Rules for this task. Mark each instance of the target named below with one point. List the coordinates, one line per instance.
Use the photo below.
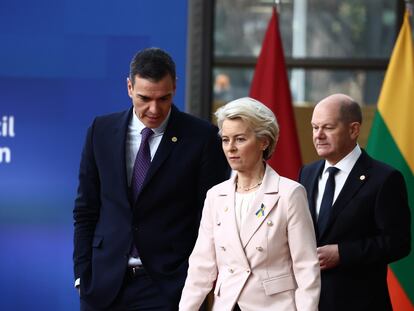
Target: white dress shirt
(133, 141)
(345, 166)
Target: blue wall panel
(62, 62)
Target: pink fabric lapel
(265, 200)
(228, 220)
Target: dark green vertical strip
(382, 146)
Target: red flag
(270, 86)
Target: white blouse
(242, 206)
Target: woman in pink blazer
(256, 245)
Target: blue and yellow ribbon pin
(260, 211)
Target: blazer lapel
(169, 139)
(313, 186)
(356, 179)
(118, 148)
(265, 200)
(227, 212)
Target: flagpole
(277, 6)
(409, 7)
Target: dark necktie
(142, 164)
(327, 199)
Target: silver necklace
(249, 187)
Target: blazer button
(218, 223)
(231, 270)
(259, 248)
(270, 223)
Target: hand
(328, 256)
(77, 285)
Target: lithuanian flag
(392, 141)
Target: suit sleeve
(302, 245)
(392, 220)
(87, 204)
(202, 271)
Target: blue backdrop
(61, 63)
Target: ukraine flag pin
(260, 211)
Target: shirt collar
(347, 163)
(137, 123)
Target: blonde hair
(260, 119)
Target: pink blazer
(270, 265)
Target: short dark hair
(152, 64)
(350, 111)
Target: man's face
(333, 139)
(152, 100)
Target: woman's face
(243, 150)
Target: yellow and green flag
(392, 141)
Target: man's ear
(354, 129)
(129, 87)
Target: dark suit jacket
(370, 222)
(164, 221)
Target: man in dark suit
(368, 224)
(132, 243)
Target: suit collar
(265, 200)
(137, 124)
(170, 138)
(314, 179)
(358, 176)
(348, 162)
(225, 203)
(118, 141)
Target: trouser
(138, 293)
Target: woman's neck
(249, 181)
